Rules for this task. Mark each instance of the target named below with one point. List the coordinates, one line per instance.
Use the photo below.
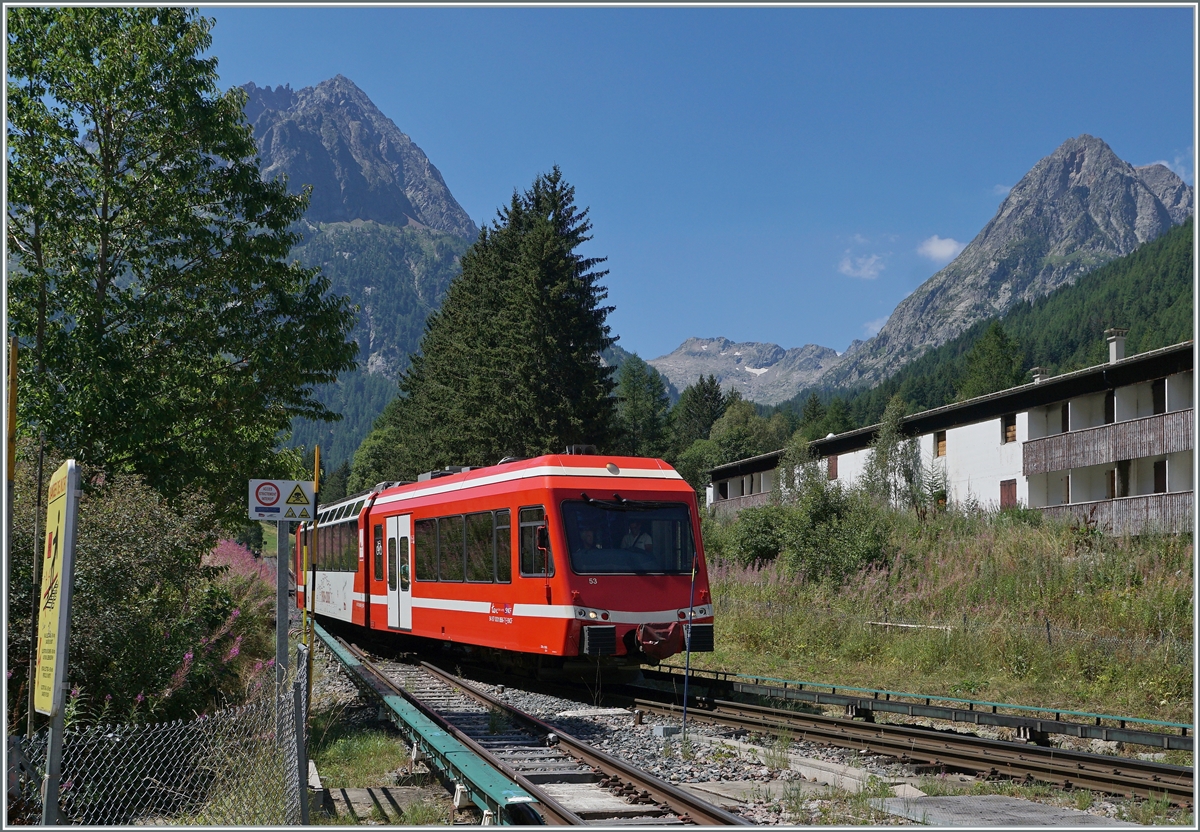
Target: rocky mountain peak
(1076, 209)
(360, 165)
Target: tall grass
(1036, 612)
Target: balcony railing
(1165, 433)
(1133, 515)
(732, 505)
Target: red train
(558, 561)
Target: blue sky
(782, 175)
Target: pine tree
(699, 406)
(510, 365)
(642, 405)
(993, 364)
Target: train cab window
(378, 549)
(504, 546)
(629, 538)
(451, 551)
(481, 557)
(425, 550)
(534, 561)
(391, 563)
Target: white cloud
(867, 267)
(939, 249)
(873, 327)
(1001, 190)
(860, 239)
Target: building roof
(1138, 368)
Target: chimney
(1116, 344)
(1039, 374)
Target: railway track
(950, 749)
(559, 779)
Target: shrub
(154, 631)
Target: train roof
(611, 467)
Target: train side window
(404, 564)
(480, 554)
(378, 548)
(534, 562)
(425, 550)
(504, 546)
(349, 547)
(391, 563)
(451, 549)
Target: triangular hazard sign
(290, 513)
(304, 512)
(297, 497)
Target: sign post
(54, 623)
(283, 501)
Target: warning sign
(265, 497)
(57, 575)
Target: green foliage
(642, 406)
(700, 405)
(694, 464)
(510, 365)
(741, 432)
(993, 364)
(155, 632)
(147, 275)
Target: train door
(399, 593)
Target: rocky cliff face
(358, 162)
(1078, 208)
(764, 373)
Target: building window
(1160, 477)
(1008, 494)
(939, 443)
(1110, 407)
(1110, 483)
(1158, 395)
(1065, 414)
(831, 470)
(1008, 428)
(723, 490)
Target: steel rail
(688, 806)
(488, 787)
(975, 712)
(1068, 769)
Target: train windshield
(631, 537)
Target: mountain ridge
(1075, 210)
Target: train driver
(637, 539)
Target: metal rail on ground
(487, 788)
(1069, 769)
(867, 700)
(691, 807)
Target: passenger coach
(574, 557)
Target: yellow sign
(54, 598)
(298, 497)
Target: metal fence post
(299, 712)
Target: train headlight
(591, 613)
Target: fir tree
(642, 405)
(699, 406)
(510, 365)
(993, 364)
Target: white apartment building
(1112, 444)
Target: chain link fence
(244, 766)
